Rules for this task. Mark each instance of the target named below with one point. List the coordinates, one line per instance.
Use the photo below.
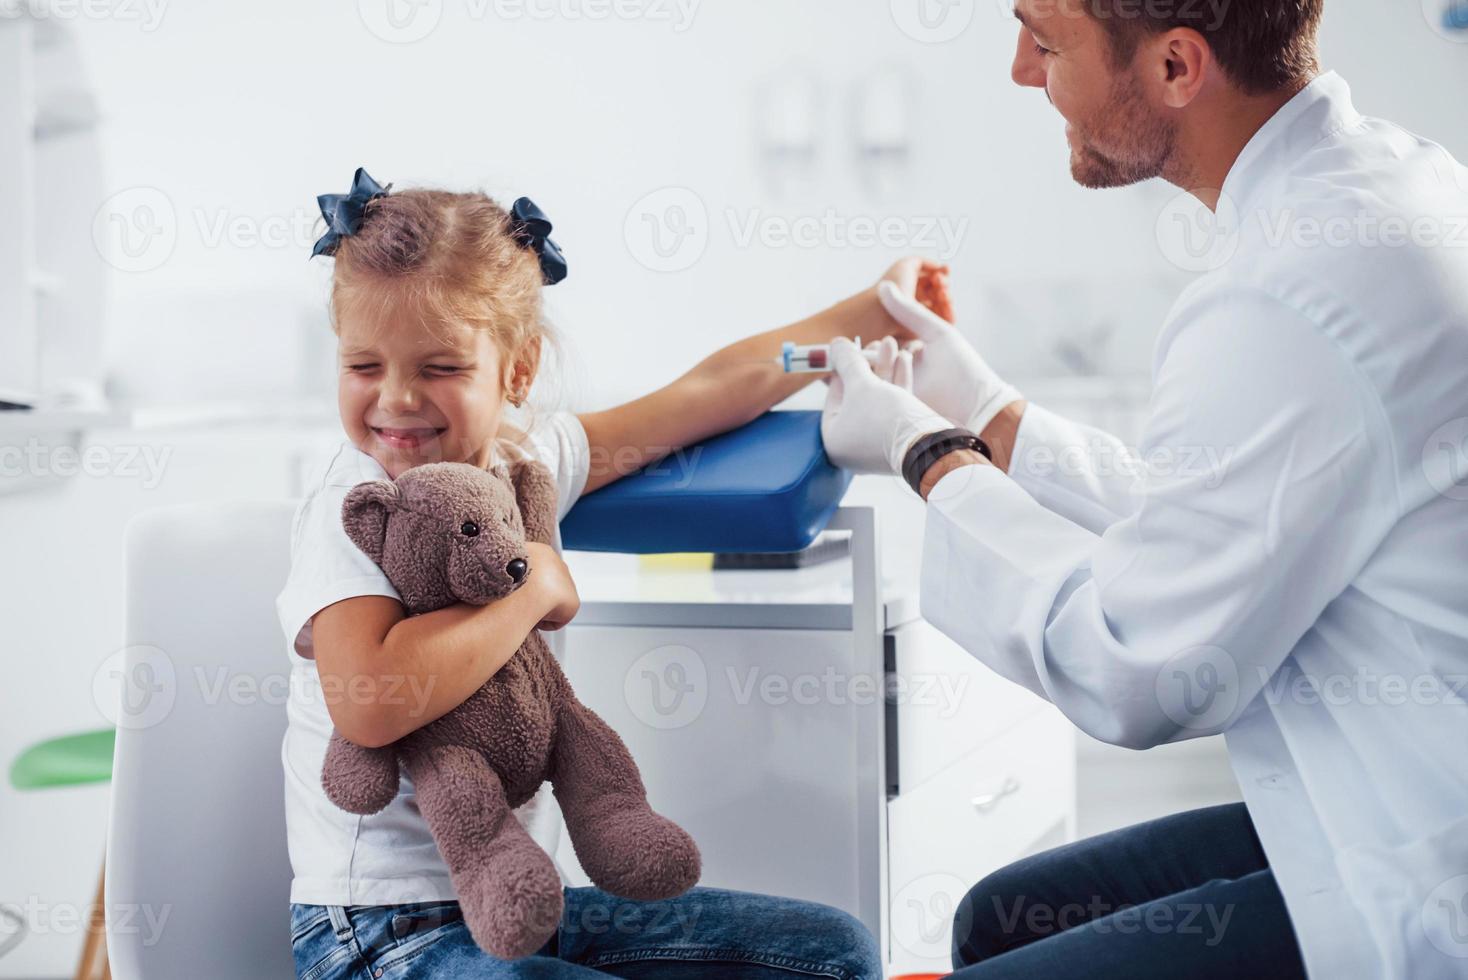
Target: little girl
(436, 303)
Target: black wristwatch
(931, 448)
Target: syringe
(813, 358)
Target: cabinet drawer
(977, 815)
(946, 703)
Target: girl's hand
(932, 290)
(924, 280)
(552, 582)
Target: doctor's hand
(869, 423)
(948, 374)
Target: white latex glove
(868, 423)
(948, 373)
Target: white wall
(243, 112)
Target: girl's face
(411, 394)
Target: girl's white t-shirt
(389, 857)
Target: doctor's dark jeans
(1187, 895)
(707, 932)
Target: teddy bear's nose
(517, 569)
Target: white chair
(197, 825)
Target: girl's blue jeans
(706, 932)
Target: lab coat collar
(1317, 110)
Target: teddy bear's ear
(364, 515)
(535, 493)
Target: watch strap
(930, 448)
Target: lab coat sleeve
(1078, 471)
(1166, 625)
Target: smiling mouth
(406, 438)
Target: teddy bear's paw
(361, 796)
(512, 906)
(639, 854)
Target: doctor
(1283, 559)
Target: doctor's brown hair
(1262, 45)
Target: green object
(71, 760)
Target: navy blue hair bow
(343, 212)
(532, 229)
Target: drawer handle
(987, 801)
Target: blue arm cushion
(765, 487)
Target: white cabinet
(948, 703)
(760, 724)
(745, 737)
(985, 810)
(18, 342)
(52, 275)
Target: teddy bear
(454, 532)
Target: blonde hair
(453, 256)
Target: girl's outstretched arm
(730, 387)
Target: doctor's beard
(1138, 143)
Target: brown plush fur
(471, 767)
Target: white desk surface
(617, 590)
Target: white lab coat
(1284, 557)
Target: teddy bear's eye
(469, 529)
